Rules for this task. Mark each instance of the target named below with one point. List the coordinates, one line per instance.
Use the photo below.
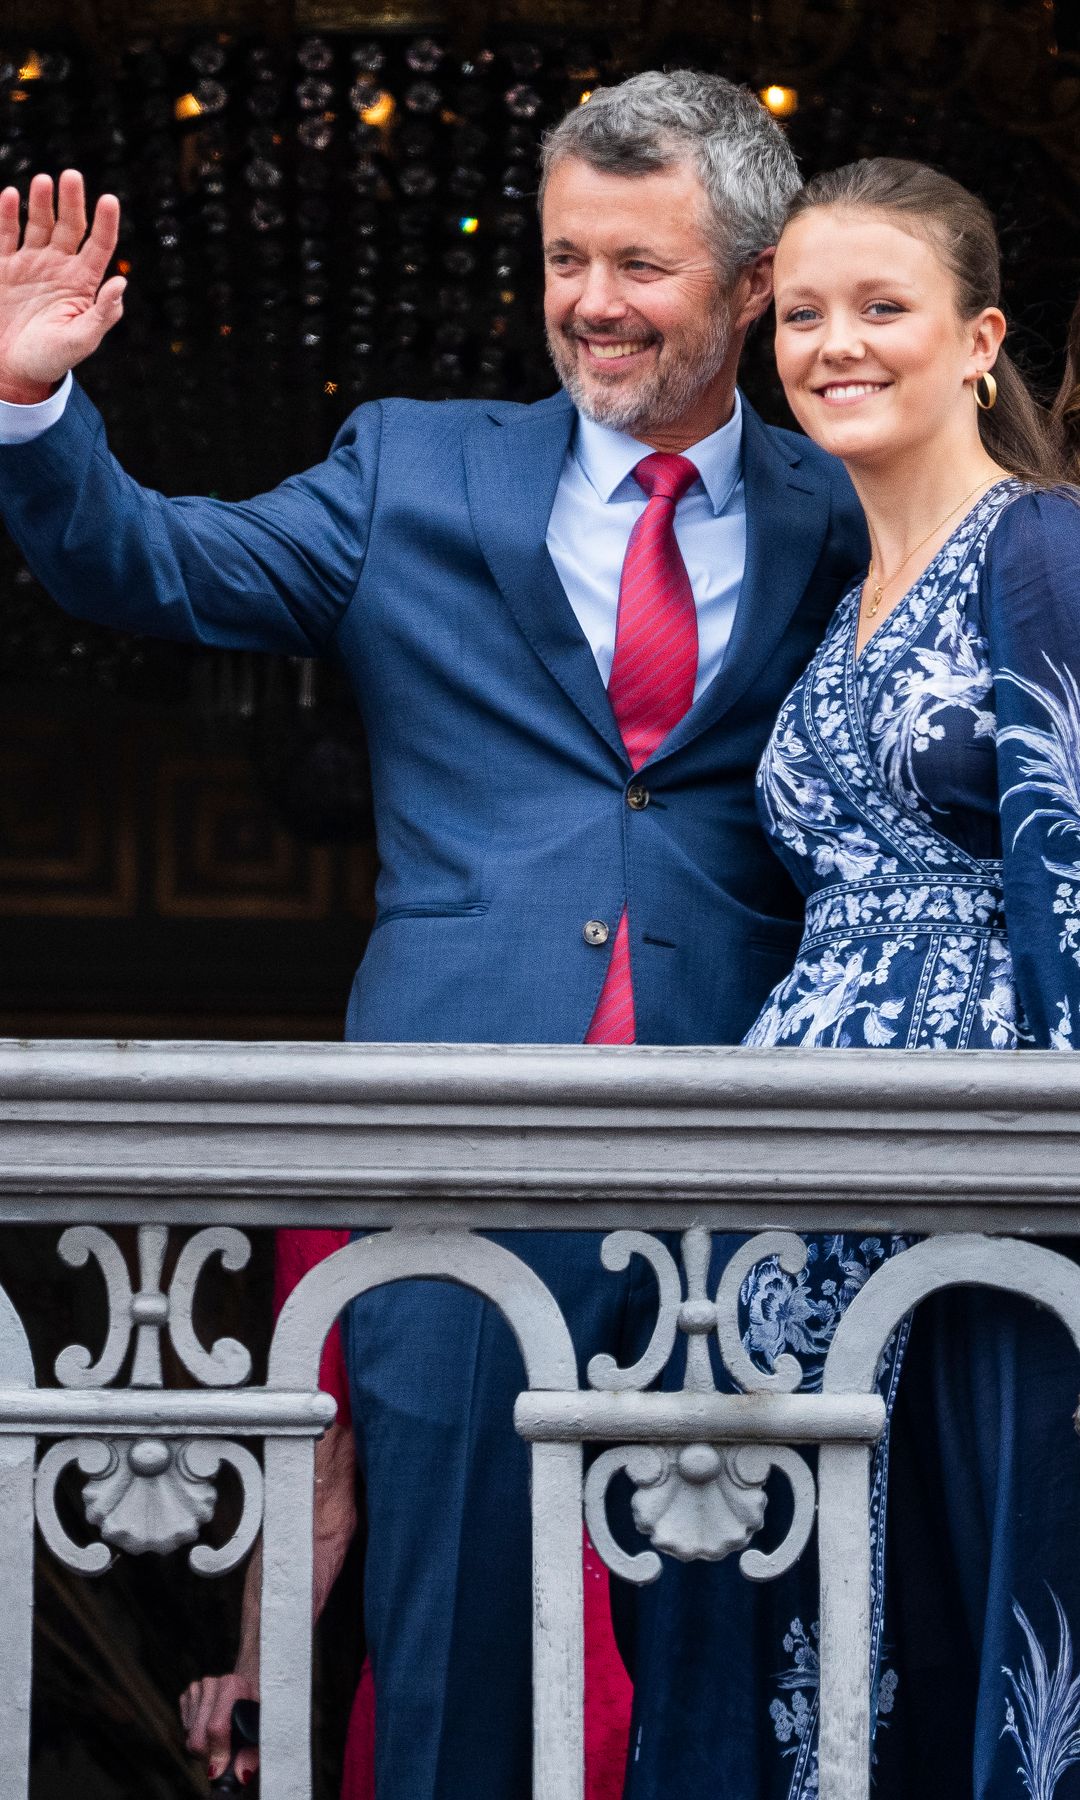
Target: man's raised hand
(55, 304)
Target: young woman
(922, 784)
(937, 731)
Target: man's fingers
(97, 252)
(70, 212)
(85, 333)
(110, 300)
(39, 213)
(9, 221)
(82, 338)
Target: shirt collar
(607, 459)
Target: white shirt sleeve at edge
(18, 424)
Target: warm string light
(380, 111)
(780, 101)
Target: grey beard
(660, 399)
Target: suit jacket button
(637, 796)
(595, 932)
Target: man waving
(568, 627)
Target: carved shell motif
(691, 1502)
(147, 1499)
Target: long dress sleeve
(1032, 612)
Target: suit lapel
(512, 471)
(787, 515)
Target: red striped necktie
(652, 678)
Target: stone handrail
(436, 1142)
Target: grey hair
(655, 120)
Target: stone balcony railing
(975, 1152)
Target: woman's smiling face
(873, 354)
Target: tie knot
(664, 475)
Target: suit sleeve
(273, 573)
(1032, 611)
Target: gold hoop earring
(991, 391)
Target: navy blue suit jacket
(417, 553)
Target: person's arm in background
(272, 573)
(206, 1706)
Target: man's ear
(753, 290)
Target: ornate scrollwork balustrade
(428, 1147)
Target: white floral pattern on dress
(908, 719)
(795, 1721)
(798, 1314)
(905, 942)
(1053, 767)
(1043, 1714)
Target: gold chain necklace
(880, 586)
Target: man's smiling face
(638, 320)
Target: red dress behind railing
(608, 1692)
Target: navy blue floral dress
(893, 777)
(925, 795)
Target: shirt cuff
(18, 424)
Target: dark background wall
(311, 219)
(323, 204)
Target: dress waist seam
(919, 905)
(989, 875)
(886, 928)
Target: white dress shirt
(18, 424)
(597, 504)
